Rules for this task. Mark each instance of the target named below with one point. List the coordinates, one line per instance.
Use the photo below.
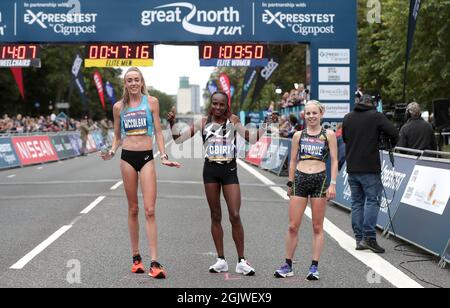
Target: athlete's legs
(232, 194)
(297, 207)
(212, 191)
(148, 187)
(318, 206)
(130, 183)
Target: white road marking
(374, 261)
(28, 257)
(117, 185)
(11, 176)
(92, 205)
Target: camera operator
(361, 131)
(416, 133)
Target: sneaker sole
(312, 278)
(139, 271)
(251, 273)
(278, 275)
(159, 276)
(213, 271)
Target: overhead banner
(192, 20)
(99, 85)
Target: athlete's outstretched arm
(154, 105)
(180, 136)
(251, 137)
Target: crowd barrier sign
(394, 183)
(34, 149)
(277, 154)
(258, 151)
(423, 216)
(63, 146)
(8, 156)
(75, 141)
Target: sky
(172, 62)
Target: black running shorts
(224, 174)
(310, 185)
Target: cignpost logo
(64, 18)
(225, 21)
(304, 24)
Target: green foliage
(382, 51)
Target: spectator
(416, 133)
(84, 132)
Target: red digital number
(93, 52)
(259, 52)
(207, 52)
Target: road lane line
(92, 205)
(32, 254)
(117, 185)
(11, 176)
(375, 262)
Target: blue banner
(110, 93)
(192, 20)
(75, 141)
(8, 156)
(249, 78)
(212, 86)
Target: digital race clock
(109, 55)
(19, 55)
(233, 55)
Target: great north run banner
(8, 157)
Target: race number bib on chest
(135, 123)
(220, 149)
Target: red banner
(17, 73)
(225, 83)
(34, 150)
(258, 151)
(99, 84)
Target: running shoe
(220, 266)
(157, 271)
(137, 267)
(243, 267)
(284, 271)
(313, 273)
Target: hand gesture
(171, 117)
(331, 192)
(172, 164)
(106, 155)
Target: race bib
(135, 123)
(218, 150)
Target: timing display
(233, 55)
(110, 55)
(19, 55)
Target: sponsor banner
(186, 21)
(334, 74)
(63, 146)
(258, 151)
(427, 189)
(334, 56)
(91, 145)
(334, 92)
(34, 149)
(8, 157)
(249, 77)
(115, 62)
(422, 218)
(336, 110)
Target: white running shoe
(244, 268)
(220, 266)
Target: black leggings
(137, 159)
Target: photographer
(416, 133)
(361, 132)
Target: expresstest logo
(202, 22)
(62, 17)
(302, 24)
